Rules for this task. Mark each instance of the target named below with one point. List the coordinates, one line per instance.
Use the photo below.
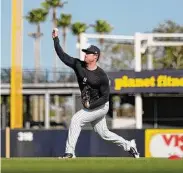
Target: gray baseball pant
(98, 121)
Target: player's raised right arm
(65, 58)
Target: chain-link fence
(40, 76)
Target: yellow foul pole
(16, 120)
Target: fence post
(47, 111)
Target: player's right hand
(55, 33)
(87, 104)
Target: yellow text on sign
(160, 81)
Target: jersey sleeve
(64, 57)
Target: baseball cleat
(133, 149)
(66, 156)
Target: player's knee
(75, 121)
(104, 134)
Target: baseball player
(94, 86)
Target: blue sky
(126, 16)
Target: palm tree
(64, 21)
(171, 57)
(78, 28)
(102, 27)
(53, 5)
(36, 16)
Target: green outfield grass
(91, 165)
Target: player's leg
(79, 119)
(101, 128)
(73, 134)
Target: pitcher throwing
(94, 86)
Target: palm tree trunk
(56, 98)
(64, 38)
(37, 53)
(41, 100)
(54, 19)
(78, 42)
(37, 59)
(101, 41)
(37, 69)
(35, 98)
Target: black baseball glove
(85, 96)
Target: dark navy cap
(92, 49)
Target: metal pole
(83, 44)
(47, 111)
(138, 98)
(150, 59)
(117, 37)
(138, 52)
(150, 53)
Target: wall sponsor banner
(51, 143)
(166, 143)
(155, 81)
(102, 148)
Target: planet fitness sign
(159, 81)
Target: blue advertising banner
(51, 143)
(155, 81)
